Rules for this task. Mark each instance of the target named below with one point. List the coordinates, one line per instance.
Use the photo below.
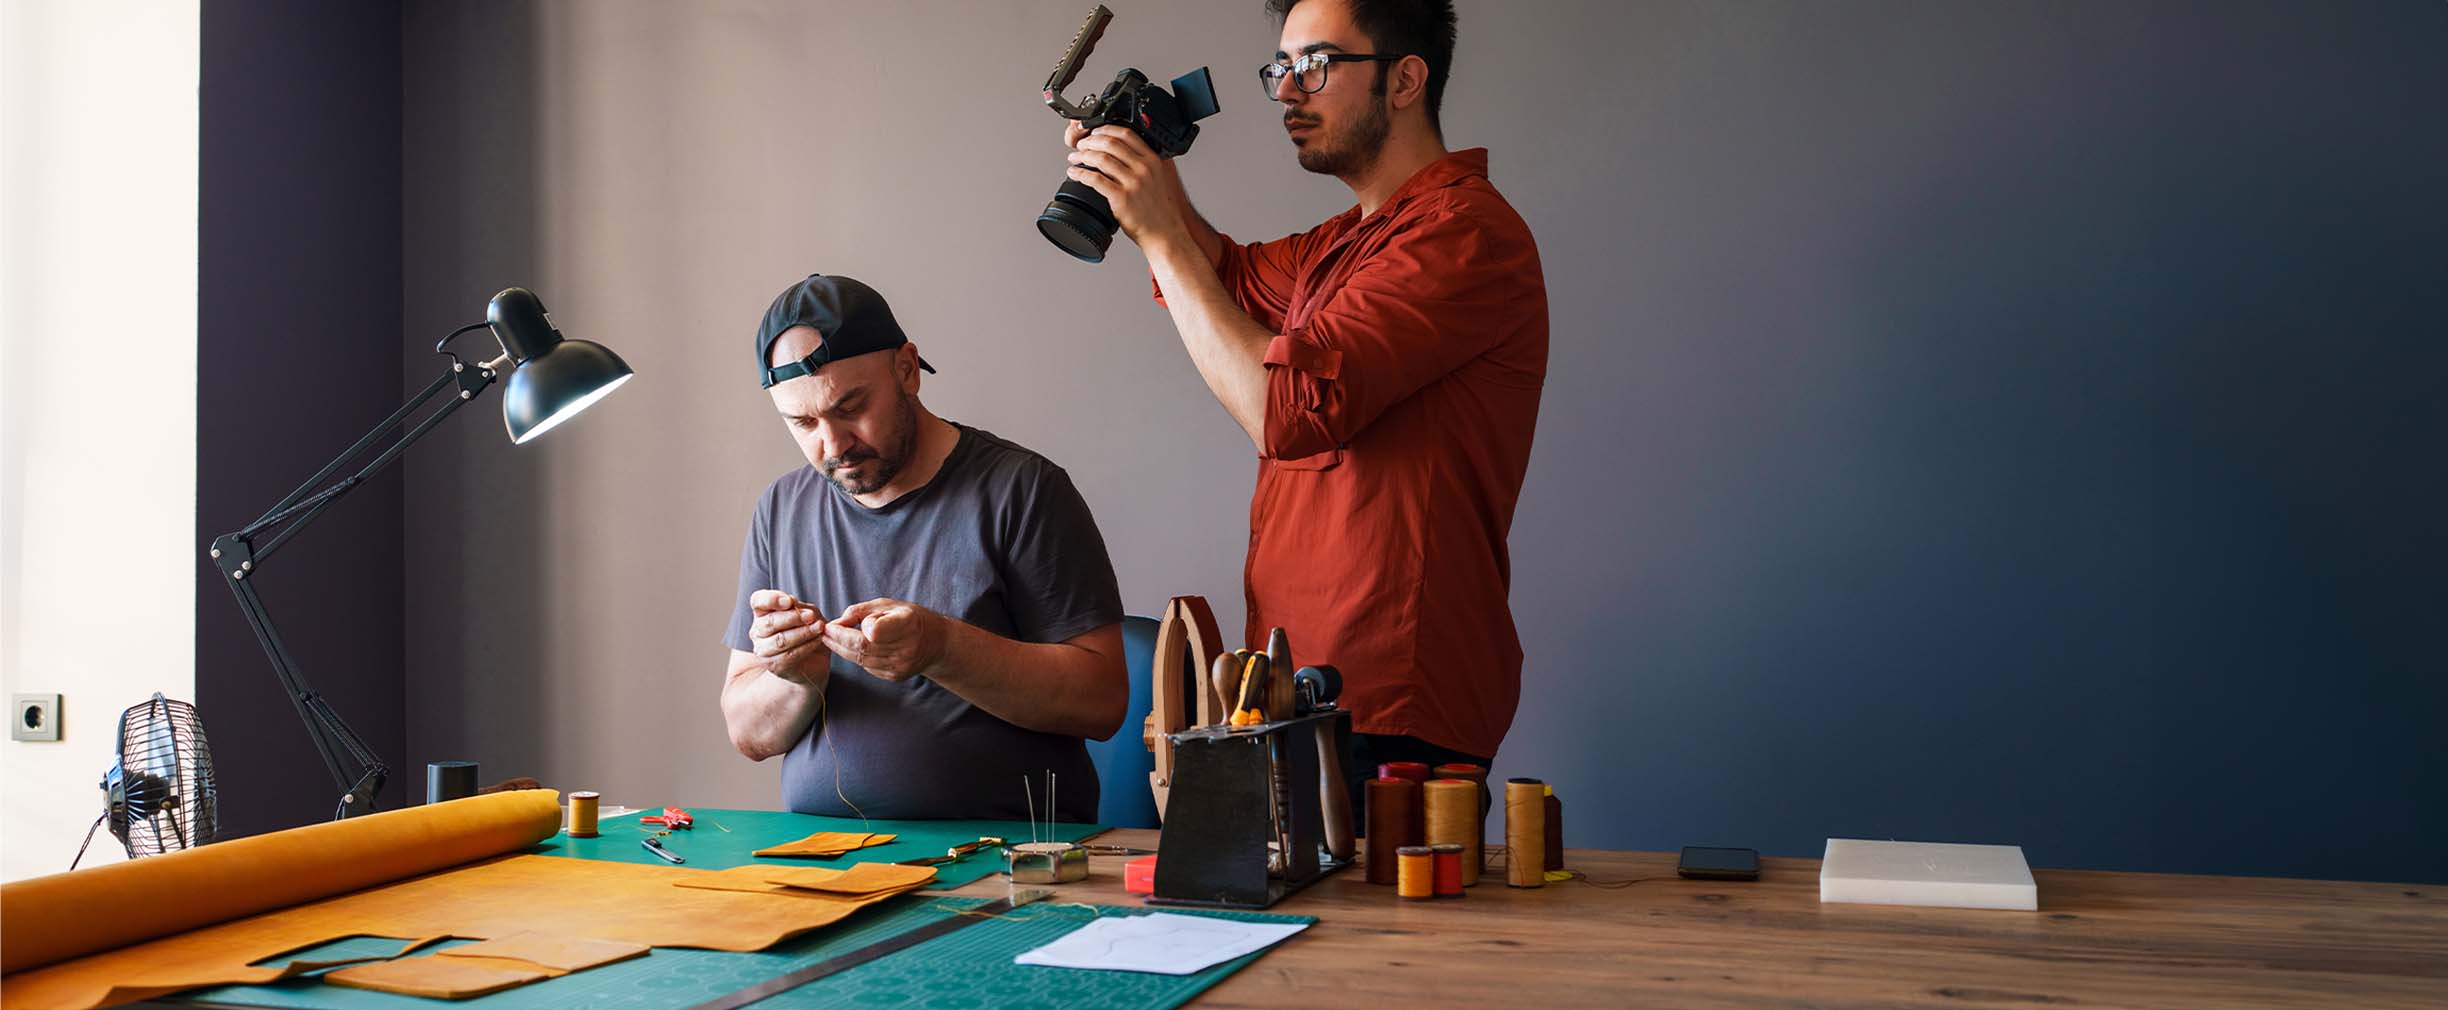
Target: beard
(898, 445)
(1351, 149)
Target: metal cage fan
(159, 797)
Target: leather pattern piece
(827, 844)
(439, 977)
(551, 950)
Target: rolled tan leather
(65, 915)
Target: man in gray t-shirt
(926, 612)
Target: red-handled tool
(672, 818)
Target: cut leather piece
(566, 953)
(502, 897)
(438, 977)
(827, 844)
(755, 879)
(862, 879)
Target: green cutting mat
(708, 846)
(970, 968)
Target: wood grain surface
(2098, 940)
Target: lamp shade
(554, 386)
(551, 378)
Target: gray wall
(1999, 422)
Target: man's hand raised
(789, 637)
(1144, 188)
(889, 638)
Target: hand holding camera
(1122, 143)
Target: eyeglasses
(1308, 71)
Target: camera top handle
(1081, 45)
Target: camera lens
(1079, 221)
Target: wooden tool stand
(1239, 794)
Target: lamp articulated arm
(354, 766)
(550, 379)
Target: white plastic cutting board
(1926, 873)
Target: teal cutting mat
(970, 968)
(709, 847)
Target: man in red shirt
(1387, 366)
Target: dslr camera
(1078, 220)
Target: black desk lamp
(550, 380)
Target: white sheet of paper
(1162, 943)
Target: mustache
(851, 458)
(1292, 121)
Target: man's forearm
(765, 714)
(1227, 346)
(1048, 687)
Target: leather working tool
(1187, 645)
(954, 854)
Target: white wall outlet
(35, 717)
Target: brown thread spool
(1416, 878)
(583, 806)
(1448, 860)
(1393, 822)
(1555, 830)
(1525, 832)
(1453, 818)
(1412, 770)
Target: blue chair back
(1123, 763)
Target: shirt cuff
(1300, 354)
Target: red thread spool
(1394, 821)
(1415, 771)
(1448, 864)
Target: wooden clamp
(1187, 644)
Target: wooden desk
(2099, 940)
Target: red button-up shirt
(1401, 396)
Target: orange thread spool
(1412, 770)
(582, 810)
(1415, 880)
(1448, 859)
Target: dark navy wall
(1997, 422)
(298, 324)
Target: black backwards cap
(850, 317)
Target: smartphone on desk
(1701, 862)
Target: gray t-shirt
(999, 539)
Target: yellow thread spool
(583, 806)
(1453, 819)
(1415, 873)
(1525, 833)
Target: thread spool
(1411, 770)
(1475, 775)
(1393, 823)
(1448, 862)
(1555, 831)
(1525, 832)
(1453, 819)
(1415, 876)
(583, 806)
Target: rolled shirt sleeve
(1260, 276)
